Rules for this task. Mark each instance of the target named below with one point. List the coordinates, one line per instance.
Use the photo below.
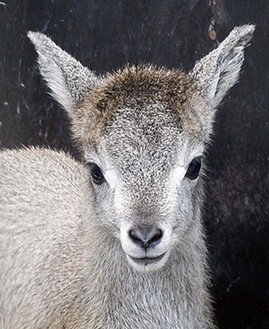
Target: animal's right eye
(96, 173)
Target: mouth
(144, 261)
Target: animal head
(143, 132)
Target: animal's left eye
(194, 168)
(96, 173)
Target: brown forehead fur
(133, 86)
(143, 83)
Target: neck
(172, 297)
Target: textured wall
(104, 35)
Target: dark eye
(96, 173)
(194, 168)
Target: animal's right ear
(68, 80)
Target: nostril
(133, 235)
(146, 238)
(157, 236)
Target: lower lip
(147, 260)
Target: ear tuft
(68, 80)
(217, 72)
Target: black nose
(146, 237)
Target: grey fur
(69, 258)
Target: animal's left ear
(217, 72)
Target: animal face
(144, 157)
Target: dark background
(105, 35)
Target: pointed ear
(217, 72)
(68, 80)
